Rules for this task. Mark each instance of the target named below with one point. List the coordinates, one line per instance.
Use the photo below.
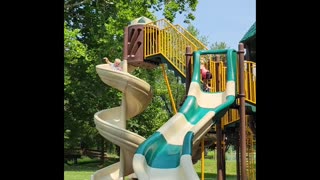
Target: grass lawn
(86, 167)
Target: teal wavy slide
(167, 154)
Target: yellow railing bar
(169, 89)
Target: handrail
(161, 37)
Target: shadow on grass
(90, 164)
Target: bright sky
(221, 20)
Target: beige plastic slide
(111, 123)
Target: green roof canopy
(251, 33)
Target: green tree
(220, 45)
(102, 22)
(74, 51)
(94, 29)
(172, 7)
(160, 109)
(196, 33)
(205, 39)
(83, 93)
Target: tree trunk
(102, 151)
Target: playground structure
(225, 115)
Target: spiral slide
(167, 154)
(111, 122)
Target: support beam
(242, 113)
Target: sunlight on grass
(210, 166)
(210, 169)
(74, 175)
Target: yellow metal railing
(161, 37)
(188, 35)
(233, 115)
(151, 40)
(250, 81)
(218, 81)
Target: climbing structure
(228, 118)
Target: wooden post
(102, 151)
(242, 113)
(219, 151)
(188, 68)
